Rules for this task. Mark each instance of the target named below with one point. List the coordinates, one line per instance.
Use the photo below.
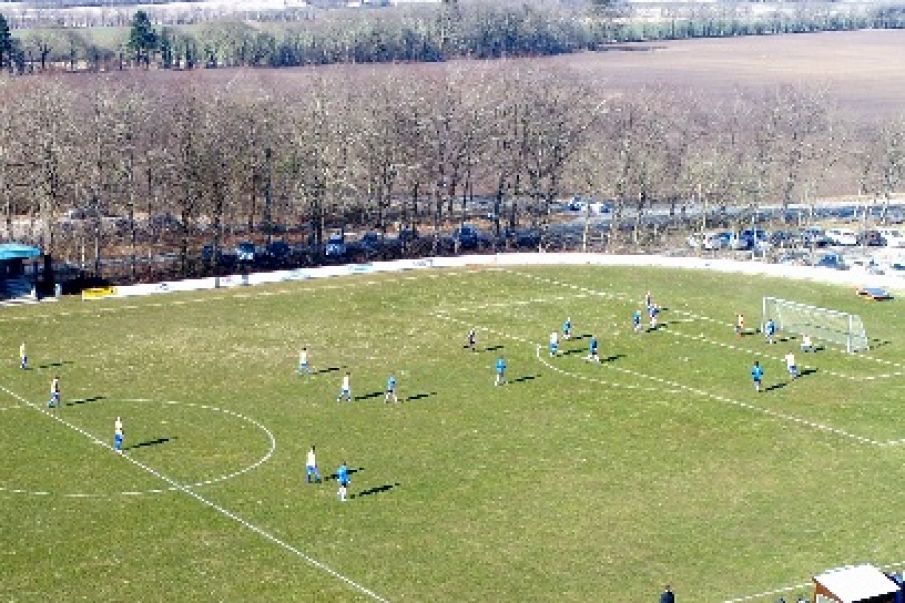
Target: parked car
(710, 240)
(842, 236)
(245, 252)
(335, 246)
(278, 254)
(783, 238)
(466, 237)
(814, 237)
(893, 236)
(831, 260)
(872, 238)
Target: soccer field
(576, 481)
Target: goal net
(822, 324)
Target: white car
(894, 237)
(842, 236)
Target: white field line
(566, 373)
(691, 315)
(679, 386)
(785, 589)
(206, 502)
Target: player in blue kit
(636, 321)
(391, 389)
(770, 331)
(500, 371)
(567, 329)
(757, 375)
(593, 354)
(342, 476)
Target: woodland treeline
(182, 161)
(452, 30)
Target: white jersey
(303, 357)
(312, 461)
(22, 351)
(790, 360)
(118, 427)
(346, 382)
(554, 338)
(806, 341)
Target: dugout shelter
(855, 584)
(18, 269)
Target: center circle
(222, 477)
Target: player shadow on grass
(146, 443)
(612, 358)
(779, 385)
(494, 348)
(352, 470)
(420, 396)
(807, 371)
(57, 364)
(572, 352)
(78, 401)
(375, 490)
(524, 378)
(375, 394)
(329, 369)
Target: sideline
(206, 502)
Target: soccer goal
(823, 324)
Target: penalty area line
(206, 502)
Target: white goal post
(823, 324)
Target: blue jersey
(342, 475)
(636, 317)
(757, 373)
(593, 347)
(566, 326)
(771, 328)
(500, 365)
(391, 383)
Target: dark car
(226, 258)
(335, 246)
(872, 238)
(520, 238)
(278, 254)
(466, 237)
(371, 245)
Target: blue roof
(18, 251)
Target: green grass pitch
(574, 482)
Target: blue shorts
(553, 347)
(118, 441)
(311, 470)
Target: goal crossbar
(824, 324)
